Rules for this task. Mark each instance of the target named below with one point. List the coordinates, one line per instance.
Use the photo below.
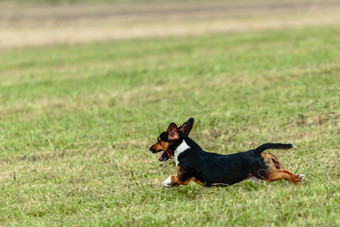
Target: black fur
(221, 170)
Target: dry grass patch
(59, 24)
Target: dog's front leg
(174, 180)
(169, 182)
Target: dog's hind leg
(279, 174)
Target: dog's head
(168, 139)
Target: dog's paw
(301, 176)
(167, 182)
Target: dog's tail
(266, 146)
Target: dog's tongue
(163, 157)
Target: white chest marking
(182, 147)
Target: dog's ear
(173, 132)
(187, 126)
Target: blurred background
(30, 23)
(87, 86)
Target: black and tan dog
(211, 169)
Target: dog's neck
(187, 143)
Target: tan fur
(274, 173)
(175, 179)
(161, 146)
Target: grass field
(76, 122)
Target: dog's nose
(150, 148)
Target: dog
(212, 169)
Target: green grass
(76, 123)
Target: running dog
(211, 169)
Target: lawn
(76, 122)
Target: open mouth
(164, 156)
